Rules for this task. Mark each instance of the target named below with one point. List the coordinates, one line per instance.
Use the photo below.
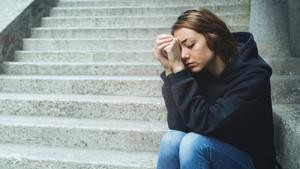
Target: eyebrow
(184, 40)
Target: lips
(190, 65)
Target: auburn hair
(218, 36)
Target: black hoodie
(234, 107)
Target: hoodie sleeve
(174, 120)
(205, 118)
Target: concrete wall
(294, 26)
(17, 17)
(275, 25)
(269, 25)
(286, 124)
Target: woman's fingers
(162, 36)
(162, 41)
(170, 46)
(160, 47)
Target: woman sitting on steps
(218, 97)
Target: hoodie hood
(248, 57)
(246, 60)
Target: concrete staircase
(85, 90)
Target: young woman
(217, 94)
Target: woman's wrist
(168, 71)
(178, 67)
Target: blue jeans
(195, 151)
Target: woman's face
(195, 53)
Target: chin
(196, 69)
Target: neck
(216, 66)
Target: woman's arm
(174, 120)
(204, 118)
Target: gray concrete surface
(11, 10)
(232, 19)
(294, 26)
(71, 100)
(49, 157)
(281, 66)
(137, 3)
(287, 133)
(111, 134)
(269, 24)
(150, 10)
(109, 32)
(16, 19)
(85, 56)
(84, 106)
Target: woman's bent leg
(168, 156)
(202, 152)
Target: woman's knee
(193, 144)
(170, 142)
(169, 150)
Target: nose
(184, 54)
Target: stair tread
(82, 123)
(145, 7)
(77, 155)
(78, 77)
(290, 111)
(84, 51)
(283, 59)
(83, 64)
(104, 77)
(243, 2)
(131, 16)
(89, 39)
(66, 97)
(285, 77)
(102, 28)
(113, 63)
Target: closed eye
(190, 46)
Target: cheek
(203, 55)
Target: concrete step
(131, 21)
(125, 135)
(285, 89)
(99, 68)
(284, 66)
(13, 156)
(117, 44)
(149, 10)
(287, 134)
(112, 3)
(92, 32)
(84, 106)
(279, 67)
(82, 84)
(86, 56)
